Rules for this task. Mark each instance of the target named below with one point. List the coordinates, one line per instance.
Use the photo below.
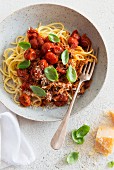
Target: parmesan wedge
(104, 140)
(111, 115)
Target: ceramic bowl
(18, 23)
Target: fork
(59, 136)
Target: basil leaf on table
(24, 64)
(75, 139)
(71, 74)
(24, 45)
(79, 141)
(53, 38)
(111, 164)
(38, 91)
(72, 157)
(82, 131)
(51, 73)
(65, 57)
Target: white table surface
(101, 14)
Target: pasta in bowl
(41, 68)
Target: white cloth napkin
(15, 149)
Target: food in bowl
(43, 67)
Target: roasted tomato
(57, 50)
(34, 43)
(73, 42)
(25, 86)
(25, 100)
(36, 73)
(32, 33)
(47, 47)
(87, 84)
(43, 64)
(23, 74)
(85, 41)
(47, 39)
(38, 53)
(51, 58)
(30, 54)
(61, 70)
(60, 99)
(40, 41)
(75, 35)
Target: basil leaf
(53, 38)
(38, 91)
(25, 45)
(111, 164)
(51, 73)
(65, 57)
(75, 139)
(82, 131)
(72, 157)
(71, 74)
(24, 64)
(79, 141)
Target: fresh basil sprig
(75, 139)
(51, 73)
(72, 157)
(111, 164)
(24, 64)
(24, 45)
(38, 91)
(71, 74)
(82, 131)
(78, 135)
(53, 38)
(65, 57)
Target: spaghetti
(57, 92)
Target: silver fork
(60, 134)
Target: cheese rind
(104, 140)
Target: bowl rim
(103, 40)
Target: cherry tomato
(34, 43)
(25, 86)
(25, 100)
(85, 41)
(43, 64)
(47, 47)
(23, 74)
(60, 100)
(61, 70)
(30, 54)
(32, 33)
(40, 41)
(75, 34)
(47, 39)
(57, 50)
(38, 53)
(51, 58)
(73, 42)
(36, 73)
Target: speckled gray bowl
(17, 24)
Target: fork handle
(59, 136)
